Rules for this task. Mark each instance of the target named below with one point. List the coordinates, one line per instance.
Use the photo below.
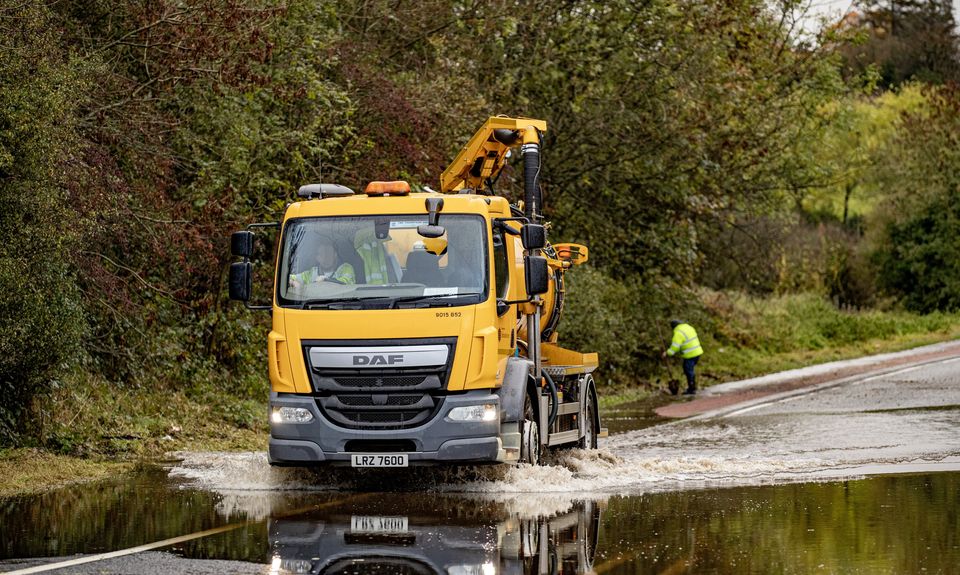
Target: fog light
(291, 415)
(486, 412)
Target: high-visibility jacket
(686, 342)
(374, 256)
(343, 274)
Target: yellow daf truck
(421, 327)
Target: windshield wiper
(312, 303)
(328, 302)
(431, 296)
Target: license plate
(378, 460)
(378, 524)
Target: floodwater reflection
(884, 524)
(421, 534)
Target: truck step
(563, 437)
(568, 408)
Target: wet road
(858, 478)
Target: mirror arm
(511, 302)
(501, 224)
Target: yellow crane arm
(485, 154)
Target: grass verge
(95, 418)
(25, 471)
(756, 336)
(91, 429)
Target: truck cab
(400, 325)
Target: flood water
(857, 479)
(906, 523)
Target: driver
(327, 267)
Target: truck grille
(380, 381)
(382, 397)
(378, 411)
(372, 565)
(369, 400)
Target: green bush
(40, 319)
(625, 321)
(917, 245)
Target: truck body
(420, 327)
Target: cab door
(506, 322)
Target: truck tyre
(589, 439)
(529, 434)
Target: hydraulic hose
(531, 182)
(554, 400)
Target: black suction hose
(554, 400)
(531, 177)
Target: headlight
(486, 412)
(291, 415)
(485, 569)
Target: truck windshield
(382, 261)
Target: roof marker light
(394, 188)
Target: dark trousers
(688, 365)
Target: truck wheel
(589, 439)
(530, 434)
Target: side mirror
(241, 244)
(536, 275)
(241, 280)
(533, 236)
(432, 229)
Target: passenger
(369, 246)
(327, 267)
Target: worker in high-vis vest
(369, 246)
(687, 344)
(325, 265)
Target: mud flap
(514, 387)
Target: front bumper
(436, 441)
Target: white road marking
(129, 551)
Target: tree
(40, 315)
(905, 40)
(917, 245)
